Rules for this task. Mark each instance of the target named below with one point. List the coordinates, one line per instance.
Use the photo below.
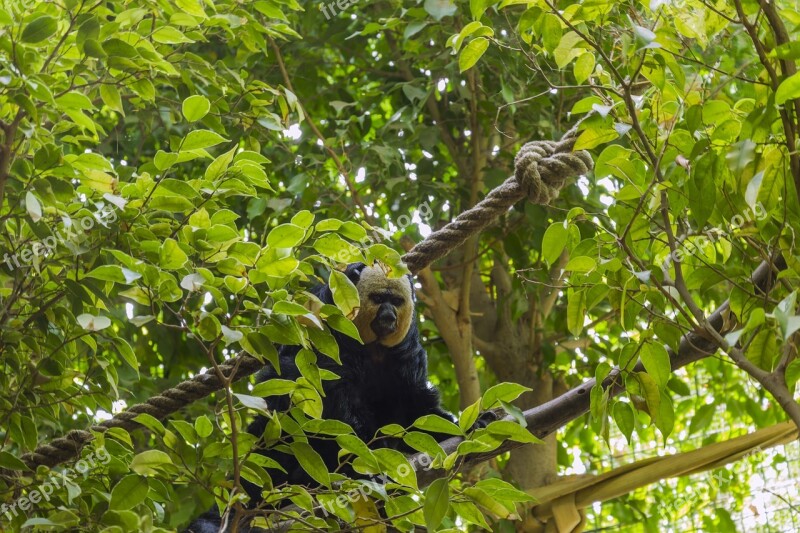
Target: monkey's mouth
(383, 328)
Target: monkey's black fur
(378, 385)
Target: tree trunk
(534, 465)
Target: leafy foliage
(174, 175)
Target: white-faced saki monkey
(383, 381)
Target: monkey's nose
(384, 327)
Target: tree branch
(7, 151)
(553, 415)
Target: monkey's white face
(387, 307)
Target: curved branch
(547, 418)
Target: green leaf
(488, 502)
(789, 89)
(218, 167)
(584, 67)
(128, 493)
(649, 391)
(594, 136)
(702, 418)
(338, 249)
(503, 490)
(145, 89)
(111, 97)
(472, 53)
(258, 345)
(345, 294)
(396, 466)
(625, 418)
(439, 9)
(172, 203)
(126, 352)
(413, 28)
(209, 327)
(311, 462)
(92, 48)
(287, 307)
(280, 268)
(329, 224)
(117, 48)
(792, 374)
(569, 47)
(150, 422)
(665, 421)
(553, 243)
(656, 361)
(551, 32)
(195, 107)
(763, 350)
(201, 139)
(170, 35)
(505, 392)
(716, 112)
(114, 273)
(285, 236)
(74, 100)
(437, 424)
(470, 513)
(192, 7)
(581, 263)
(163, 160)
(576, 311)
(478, 7)
(149, 462)
(172, 257)
(39, 29)
(437, 502)
(702, 188)
(469, 416)
(354, 445)
(423, 442)
(508, 430)
(11, 462)
(274, 387)
(89, 29)
(304, 219)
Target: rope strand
(541, 169)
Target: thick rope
(69, 446)
(541, 169)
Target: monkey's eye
(379, 299)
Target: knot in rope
(542, 168)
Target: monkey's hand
(485, 418)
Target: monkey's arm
(351, 408)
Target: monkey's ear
(353, 271)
